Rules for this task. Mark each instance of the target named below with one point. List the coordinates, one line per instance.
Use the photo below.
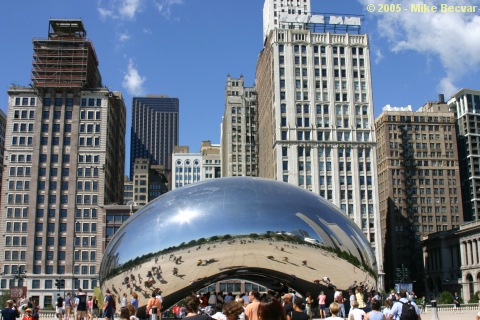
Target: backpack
(408, 311)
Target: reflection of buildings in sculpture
(324, 236)
(344, 241)
(110, 262)
(315, 101)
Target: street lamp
(20, 275)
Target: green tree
(4, 297)
(474, 298)
(445, 297)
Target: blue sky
(186, 49)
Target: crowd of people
(248, 306)
(292, 306)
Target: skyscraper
(65, 157)
(419, 184)
(315, 110)
(239, 130)
(466, 104)
(155, 129)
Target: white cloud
(132, 81)
(124, 9)
(378, 55)
(124, 36)
(128, 8)
(164, 6)
(105, 13)
(451, 37)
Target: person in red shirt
(28, 314)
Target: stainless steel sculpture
(260, 230)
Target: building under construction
(66, 59)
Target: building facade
(466, 104)
(239, 130)
(189, 167)
(452, 260)
(149, 181)
(419, 183)
(64, 157)
(155, 129)
(3, 128)
(316, 117)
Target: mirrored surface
(260, 230)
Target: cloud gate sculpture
(258, 230)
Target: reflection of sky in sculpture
(235, 206)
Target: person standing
(322, 304)
(124, 300)
(10, 312)
(134, 302)
(308, 305)
(456, 300)
(251, 311)
(81, 305)
(59, 306)
(340, 300)
(152, 303)
(355, 312)
(108, 310)
(360, 298)
(297, 312)
(95, 309)
(375, 314)
(68, 305)
(396, 311)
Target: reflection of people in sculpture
(199, 262)
(175, 271)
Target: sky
(187, 48)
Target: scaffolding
(66, 59)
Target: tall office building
(239, 130)
(315, 112)
(155, 129)
(3, 128)
(466, 104)
(64, 156)
(419, 184)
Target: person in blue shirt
(10, 312)
(396, 310)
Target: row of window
(322, 49)
(48, 284)
(25, 101)
(62, 241)
(325, 136)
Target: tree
(474, 298)
(4, 297)
(445, 297)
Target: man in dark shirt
(10, 312)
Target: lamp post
(21, 274)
